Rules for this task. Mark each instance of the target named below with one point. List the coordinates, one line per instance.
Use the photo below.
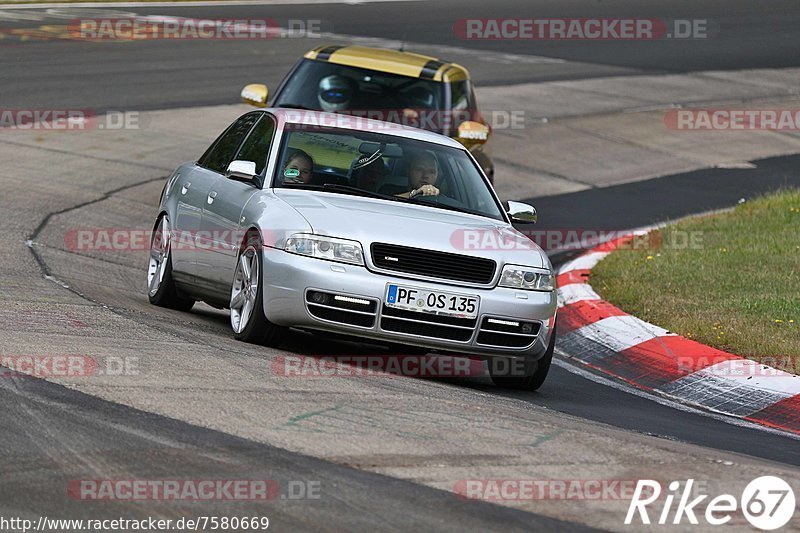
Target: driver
(423, 173)
(335, 93)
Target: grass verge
(731, 280)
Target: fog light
(319, 297)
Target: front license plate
(437, 302)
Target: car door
(221, 219)
(210, 168)
(190, 189)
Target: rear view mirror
(255, 94)
(386, 150)
(523, 213)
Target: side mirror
(523, 213)
(241, 171)
(255, 94)
(471, 132)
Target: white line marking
(575, 292)
(749, 373)
(586, 261)
(621, 332)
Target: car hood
(369, 220)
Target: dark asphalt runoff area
(74, 436)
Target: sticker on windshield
(291, 173)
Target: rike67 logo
(768, 503)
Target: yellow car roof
(391, 61)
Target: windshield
(336, 88)
(378, 165)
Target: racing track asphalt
(76, 436)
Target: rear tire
(535, 372)
(161, 289)
(247, 303)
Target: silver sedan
(336, 223)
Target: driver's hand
(410, 114)
(425, 190)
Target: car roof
(391, 61)
(350, 122)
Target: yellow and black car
(389, 85)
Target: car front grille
(434, 264)
(427, 324)
(353, 311)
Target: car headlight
(322, 247)
(527, 278)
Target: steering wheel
(442, 199)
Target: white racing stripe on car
(621, 332)
(584, 262)
(575, 292)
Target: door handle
(211, 196)
(185, 187)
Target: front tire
(247, 303)
(535, 372)
(161, 289)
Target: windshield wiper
(296, 106)
(443, 206)
(356, 190)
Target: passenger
(303, 164)
(368, 171)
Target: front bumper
(288, 279)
